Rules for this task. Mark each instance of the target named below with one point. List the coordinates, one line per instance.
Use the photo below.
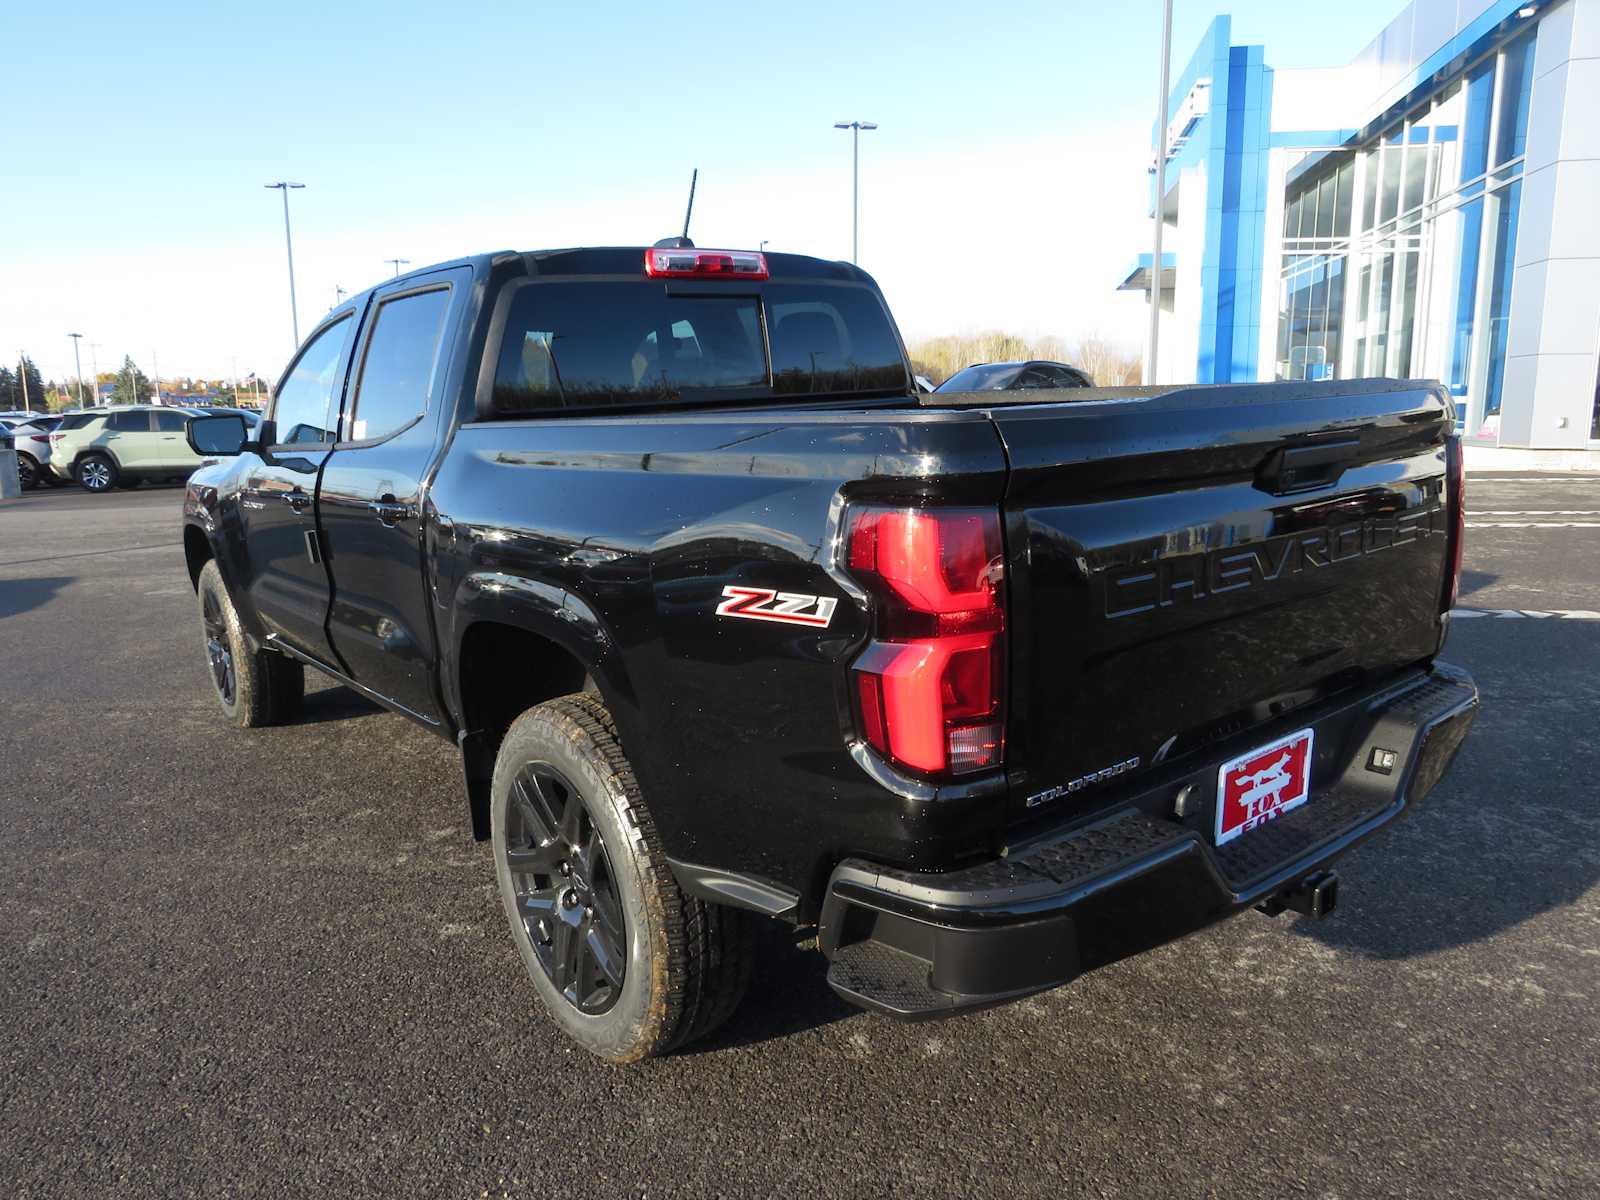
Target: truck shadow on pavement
(788, 994)
(20, 595)
(1511, 832)
(335, 703)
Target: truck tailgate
(1186, 564)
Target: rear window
(598, 344)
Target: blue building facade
(1425, 211)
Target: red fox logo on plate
(1263, 784)
(767, 604)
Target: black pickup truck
(727, 618)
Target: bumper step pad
(1127, 863)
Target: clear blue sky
(143, 133)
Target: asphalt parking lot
(274, 964)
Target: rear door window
(136, 421)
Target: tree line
(22, 387)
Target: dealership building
(1431, 209)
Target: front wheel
(96, 473)
(627, 963)
(254, 687)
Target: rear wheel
(96, 473)
(27, 471)
(254, 687)
(627, 963)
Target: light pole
(78, 360)
(762, 248)
(1161, 193)
(94, 368)
(22, 374)
(397, 263)
(855, 128)
(284, 186)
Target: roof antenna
(693, 179)
(682, 243)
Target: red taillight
(931, 685)
(1456, 475)
(689, 263)
(39, 437)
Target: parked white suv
(30, 437)
(120, 447)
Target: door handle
(1305, 468)
(390, 511)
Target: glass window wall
(1408, 242)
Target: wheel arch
(197, 552)
(519, 643)
(104, 450)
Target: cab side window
(133, 421)
(398, 365)
(306, 402)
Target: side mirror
(216, 436)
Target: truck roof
(616, 260)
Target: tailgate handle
(1302, 468)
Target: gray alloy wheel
(27, 471)
(627, 963)
(97, 473)
(254, 687)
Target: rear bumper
(925, 945)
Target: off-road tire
(687, 962)
(266, 687)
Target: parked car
(121, 447)
(725, 618)
(31, 440)
(1012, 376)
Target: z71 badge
(765, 604)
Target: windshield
(597, 344)
(987, 377)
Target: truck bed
(1187, 564)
